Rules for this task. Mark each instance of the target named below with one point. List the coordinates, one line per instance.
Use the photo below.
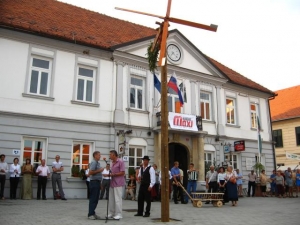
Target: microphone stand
(106, 218)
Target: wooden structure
(215, 198)
(160, 43)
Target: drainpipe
(270, 119)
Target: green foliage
(258, 167)
(152, 57)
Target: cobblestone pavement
(74, 211)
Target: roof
(286, 105)
(239, 79)
(70, 23)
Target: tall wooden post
(165, 217)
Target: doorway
(178, 152)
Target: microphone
(105, 160)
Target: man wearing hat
(147, 179)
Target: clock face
(173, 52)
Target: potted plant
(75, 171)
(258, 167)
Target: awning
(293, 167)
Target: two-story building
(285, 111)
(74, 81)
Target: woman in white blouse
(222, 182)
(15, 171)
(231, 185)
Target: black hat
(146, 157)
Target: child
(131, 187)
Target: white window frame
(40, 71)
(136, 159)
(205, 102)
(34, 140)
(229, 109)
(137, 88)
(86, 79)
(253, 115)
(174, 98)
(233, 159)
(212, 157)
(80, 154)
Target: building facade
(285, 111)
(70, 90)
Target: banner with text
(182, 121)
(292, 156)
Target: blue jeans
(191, 184)
(94, 196)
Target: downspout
(273, 148)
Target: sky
(259, 39)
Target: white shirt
(105, 172)
(221, 176)
(152, 175)
(3, 166)
(170, 176)
(88, 179)
(12, 169)
(45, 170)
(57, 165)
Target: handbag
(232, 180)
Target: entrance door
(178, 152)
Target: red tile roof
(66, 22)
(286, 105)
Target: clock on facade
(174, 53)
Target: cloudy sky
(258, 38)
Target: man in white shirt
(57, 168)
(43, 173)
(147, 178)
(105, 184)
(3, 171)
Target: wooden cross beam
(160, 41)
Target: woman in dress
(27, 171)
(279, 184)
(263, 183)
(15, 171)
(222, 183)
(231, 186)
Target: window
(40, 76)
(297, 129)
(135, 156)
(277, 137)
(232, 160)
(230, 111)
(205, 107)
(208, 160)
(81, 156)
(33, 149)
(173, 101)
(254, 114)
(86, 84)
(137, 92)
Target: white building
(79, 81)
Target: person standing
(87, 181)
(273, 184)
(211, 180)
(117, 183)
(192, 180)
(137, 170)
(27, 171)
(95, 174)
(57, 167)
(239, 182)
(263, 183)
(231, 186)
(156, 186)
(105, 184)
(43, 173)
(251, 183)
(279, 184)
(15, 171)
(147, 178)
(297, 181)
(3, 171)
(175, 172)
(222, 182)
(289, 182)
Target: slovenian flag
(173, 84)
(157, 83)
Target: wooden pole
(165, 212)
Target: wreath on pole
(152, 56)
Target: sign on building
(182, 121)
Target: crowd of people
(144, 186)
(26, 171)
